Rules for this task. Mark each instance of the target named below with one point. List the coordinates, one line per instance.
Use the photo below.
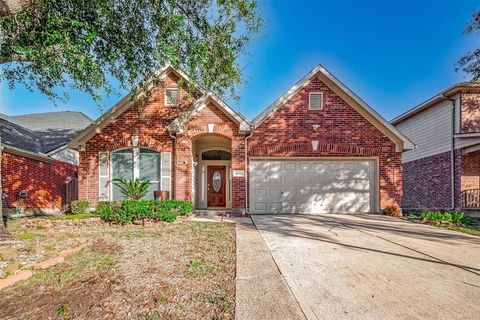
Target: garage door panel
(322, 186)
(289, 178)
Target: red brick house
(36, 162)
(443, 172)
(318, 149)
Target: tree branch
(10, 7)
(13, 58)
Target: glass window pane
(149, 165)
(216, 155)
(122, 167)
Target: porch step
(220, 213)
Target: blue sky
(394, 55)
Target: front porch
(212, 172)
(210, 156)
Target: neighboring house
(318, 149)
(443, 172)
(36, 161)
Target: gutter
(26, 154)
(246, 172)
(452, 153)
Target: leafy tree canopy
(470, 63)
(80, 43)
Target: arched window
(216, 155)
(145, 164)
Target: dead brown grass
(185, 270)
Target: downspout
(452, 155)
(173, 194)
(246, 172)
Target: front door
(216, 191)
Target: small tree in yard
(135, 189)
(470, 63)
(47, 45)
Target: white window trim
(178, 96)
(169, 176)
(309, 100)
(136, 168)
(107, 176)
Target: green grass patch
(200, 267)
(195, 263)
(27, 235)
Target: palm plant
(134, 189)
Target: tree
(50, 45)
(470, 63)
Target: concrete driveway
(374, 267)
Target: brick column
(183, 169)
(238, 183)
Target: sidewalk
(261, 291)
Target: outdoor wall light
(135, 141)
(316, 127)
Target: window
(315, 101)
(171, 96)
(122, 167)
(144, 164)
(216, 155)
(150, 170)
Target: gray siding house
(443, 171)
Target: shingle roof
(41, 132)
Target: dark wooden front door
(216, 191)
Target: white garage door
(304, 186)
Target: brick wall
(149, 124)
(44, 181)
(343, 132)
(470, 113)
(470, 164)
(224, 127)
(427, 182)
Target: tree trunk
(3, 230)
(9, 7)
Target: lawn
(183, 270)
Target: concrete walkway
(371, 267)
(261, 291)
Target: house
(318, 149)
(36, 161)
(443, 172)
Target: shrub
(126, 211)
(105, 209)
(135, 189)
(79, 207)
(137, 209)
(452, 217)
(393, 210)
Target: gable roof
(202, 102)
(126, 102)
(401, 141)
(41, 133)
(440, 97)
